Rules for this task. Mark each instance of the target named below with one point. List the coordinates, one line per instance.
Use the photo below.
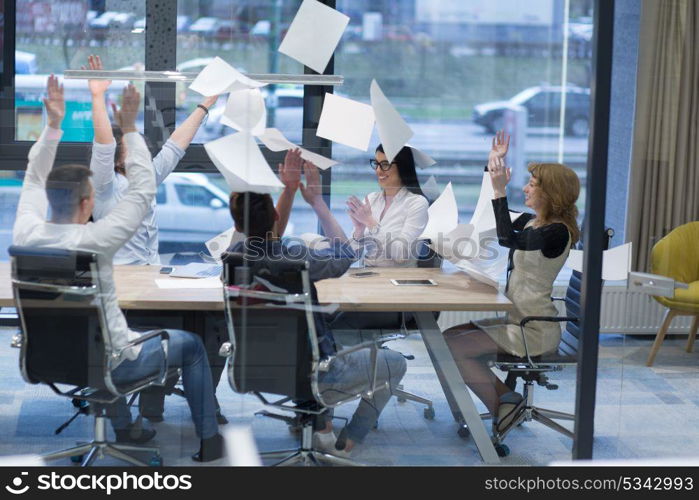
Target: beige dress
(529, 289)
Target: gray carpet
(641, 413)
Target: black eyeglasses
(384, 165)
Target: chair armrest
(143, 338)
(562, 299)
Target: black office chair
(533, 369)
(65, 340)
(274, 347)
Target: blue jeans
(351, 374)
(186, 351)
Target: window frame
(160, 55)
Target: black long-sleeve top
(551, 239)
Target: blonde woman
(539, 244)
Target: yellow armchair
(677, 256)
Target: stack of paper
(314, 34)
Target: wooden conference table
(455, 291)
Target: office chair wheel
(428, 413)
(463, 432)
(502, 450)
(77, 459)
(156, 461)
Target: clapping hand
(54, 102)
(97, 87)
(312, 190)
(360, 213)
(290, 170)
(126, 116)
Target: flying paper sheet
(422, 160)
(616, 262)
(456, 245)
(219, 244)
(275, 141)
(240, 161)
(219, 77)
(430, 188)
(443, 215)
(483, 218)
(393, 131)
(246, 111)
(346, 121)
(314, 34)
(315, 241)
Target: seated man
(69, 194)
(255, 215)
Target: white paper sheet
(456, 245)
(422, 159)
(443, 215)
(219, 77)
(314, 34)
(346, 122)
(275, 141)
(241, 450)
(430, 188)
(246, 111)
(616, 262)
(393, 131)
(183, 283)
(491, 261)
(315, 241)
(240, 161)
(483, 218)
(219, 244)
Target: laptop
(197, 270)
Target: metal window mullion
(161, 55)
(7, 95)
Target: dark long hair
(406, 169)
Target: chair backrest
(60, 318)
(676, 254)
(570, 337)
(271, 328)
(427, 257)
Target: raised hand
(97, 87)
(290, 170)
(499, 176)
(312, 191)
(501, 143)
(126, 116)
(54, 102)
(208, 102)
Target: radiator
(622, 312)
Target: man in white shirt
(107, 165)
(67, 191)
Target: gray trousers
(350, 375)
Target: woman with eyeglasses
(387, 224)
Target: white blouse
(394, 242)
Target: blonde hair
(559, 188)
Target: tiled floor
(641, 413)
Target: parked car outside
(543, 104)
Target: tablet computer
(414, 282)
